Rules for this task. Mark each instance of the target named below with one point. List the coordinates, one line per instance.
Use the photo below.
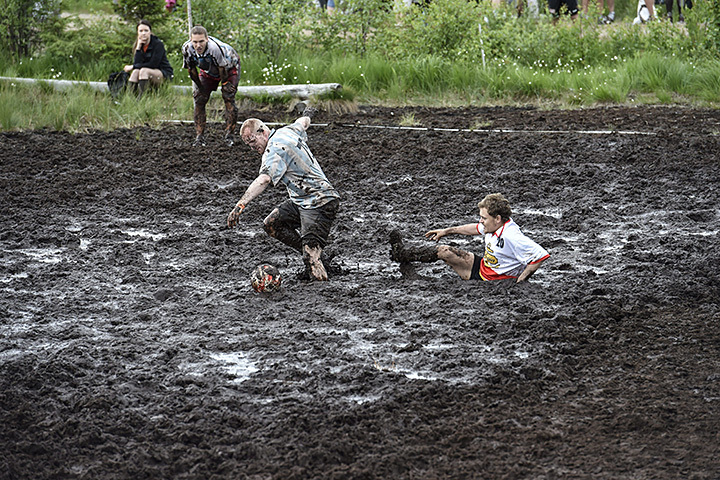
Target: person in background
(327, 5)
(669, 6)
(150, 63)
(219, 64)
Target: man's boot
(200, 121)
(229, 138)
(404, 254)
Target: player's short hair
(198, 30)
(496, 204)
(251, 125)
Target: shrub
(23, 21)
(135, 10)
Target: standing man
(218, 63)
(508, 252)
(303, 221)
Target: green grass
(83, 109)
(415, 82)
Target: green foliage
(87, 6)
(707, 15)
(135, 10)
(705, 82)
(22, 23)
(254, 26)
(217, 16)
(358, 25)
(446, 29)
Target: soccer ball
(265, 278)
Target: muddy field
(132, 346)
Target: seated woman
(150, 63)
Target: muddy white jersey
(288, 160)
(507, 252)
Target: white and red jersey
(507, 252)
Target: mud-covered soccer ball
(265, 278)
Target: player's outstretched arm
(467, 229)
(256, 188)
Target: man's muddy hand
(234, 217)
(435, 234)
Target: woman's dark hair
(141, 22)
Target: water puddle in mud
(144, 234)
(235, 365)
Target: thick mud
(132, 346)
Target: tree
(23, 21)
(135, 10)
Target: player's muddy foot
(229, 139)
(199, 141)
(396, 247)
(318, 271)
(315, 270)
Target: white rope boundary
(462, 130)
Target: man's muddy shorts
(554, 7)
(475, 272)
(314, 223)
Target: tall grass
(83, 109)
(428, 81)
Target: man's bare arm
(467, 229)
(256, 188)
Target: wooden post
(190, 24)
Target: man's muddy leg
(311, 257)
(460, 260)
(282, 231)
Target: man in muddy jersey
(303, 221)
(508, 252)
(218, 64)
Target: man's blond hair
(496, 204)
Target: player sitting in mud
(508, 252)
(303, 221)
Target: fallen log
(301, 91)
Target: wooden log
(301, 91)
